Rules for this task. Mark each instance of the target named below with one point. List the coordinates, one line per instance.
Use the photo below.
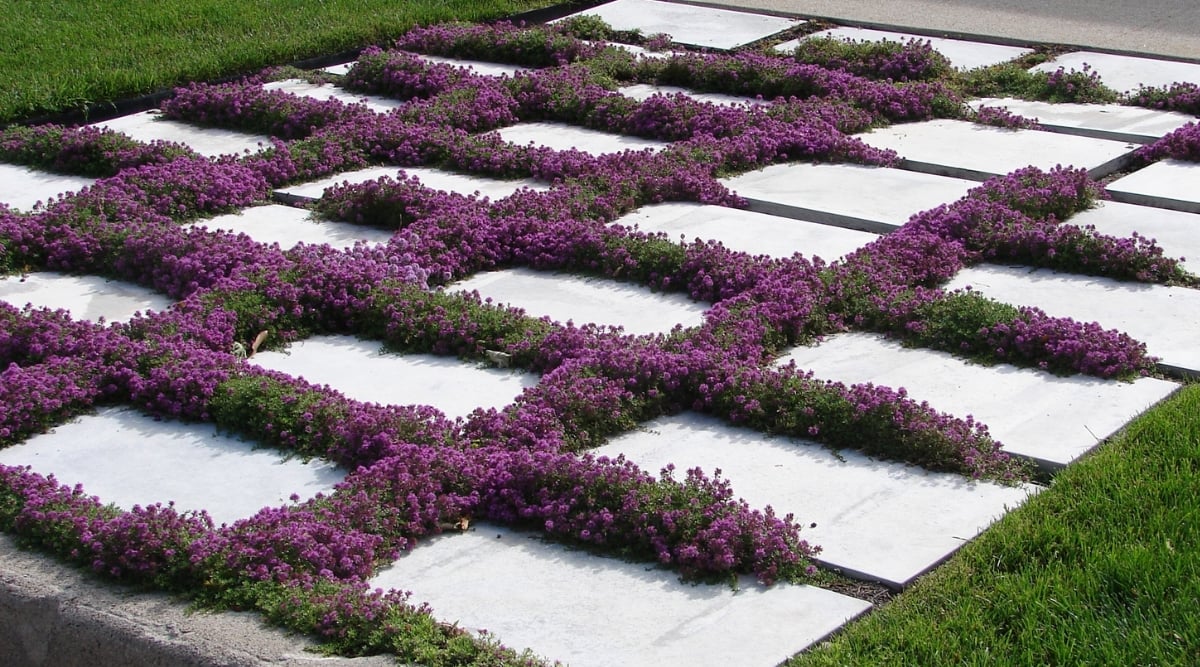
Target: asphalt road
(1160, 27)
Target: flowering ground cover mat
(505, 355)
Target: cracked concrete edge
(53, 615)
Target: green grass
(64, 55)
(1102, 568)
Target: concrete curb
(52, 615)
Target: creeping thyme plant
(411, 471)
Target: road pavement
(1161, 27)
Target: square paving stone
(1103, 121)
(879, 520)
(150, 126)
(339, 70)
(963, 54)
(1050, 419)
(287, 226)
(747, 231)
(872, 199)
(127, 458)
(1177, 232)
(436, 179)
(969, 150)
(328, 91)
(691, 24)
(86, 297)
(1125, 73)
(1173, 184)
(589, 611)
(478, 66)
(23, 188)
(563, 297)
(561, 137)
(1166, 319)
(363, 371)
(644, 91)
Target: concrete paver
(1103, 121)
(1165, 318)
(969, 150)
(747, 231)
(872, 199)
(86, 297)
(1168, 184)
(150, 126)
(288, 226)
(1059, 418)
(363, 371)
(128, 458)
(561, 602)
(883, 521)
(563, 298)
(691, 24)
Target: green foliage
(267, 410)
(952, 321)
(643, 259)
(409, 318)
(587, 26)
(1013, 80)
(872, 58)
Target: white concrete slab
(873, 199)
(589, 611)
(747, 231)
(362, 371)
(643, 91)
(1168, 184)
(1177, 232)
(1125, 73)
(691, 24)
(328, 91)
(86, 297)
(561, 137)
(23, 188)
(564, 297)
(431, 178)
(1167, 319)
(969, 150)
(287, 226)
(478, 66)
(127, 458)
(339, 70)
(962, 54)
(1050, 419)
(884, 521)
(1105, 121)
(150, 126)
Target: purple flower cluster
(913, 60)
(1183, 97)
(1181, 144)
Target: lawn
(65, 56)
(1101, 568)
